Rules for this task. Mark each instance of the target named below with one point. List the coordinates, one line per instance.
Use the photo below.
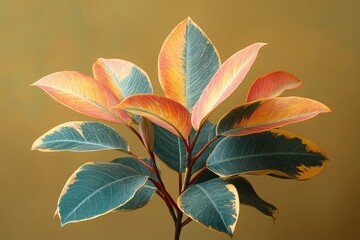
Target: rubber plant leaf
(214, 204)
(146, 131)
(227, 78)
(269, 113)
(187, 62)
(80, 137)
(145, 193)
(171, 150)
(272, 85)
(277, 152)
(249, 197)
(123, 78)
(96, 189)
(83, 94)
(160, 110)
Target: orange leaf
(224, 83)
(161, 110)
(269, 113)
(272, 85)
(83, 94)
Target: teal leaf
(122, 77)
(276, 152)
(214, 204)
(205, 176)
(249, 197)
(80, 137)
(96, 189)
(145, 193)
(171, 150)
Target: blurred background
(316, 40)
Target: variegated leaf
(272, 85)
(214, 204)
(96, 189)
(249, 197)
(187, 62)
(80, 137)
(145, 193)
(163, 111)
(228, 77)
(83, 94)
(266, 114)
(122, 77)
(276, 152)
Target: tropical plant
(210, 159)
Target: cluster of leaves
(208, 158)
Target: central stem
(178, 225)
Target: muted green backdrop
(318, 41)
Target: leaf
(146, 130)
(171, 150)
(187, 62)
(272, 85)
(83, 94)
(80, 137)
(214, 204)
(228, 77)
(266, 114)
(96, 189)
(249, 197)
(122, 77)
(160, 110)
(145, 193)
(275, 152)
(205, 176)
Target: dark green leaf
(171, 150)
(275, 152)
(248, 196)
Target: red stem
(163, 190)
(198, 175)
(203, 149)
(186, 222)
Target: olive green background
(318, 41)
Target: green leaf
(96, 189)
(214, 204)
(145, 193)
(171, 150)
(249, 197)
(80, 137)
(187, 62)
(275, 152)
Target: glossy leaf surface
(145, 193)
(266, 114)
(96, 189)
(228, 77)
(161, 110)
(187, 62)
(83, 94)
(272, 85)
(80, 137)
(276, 152)
(122, 77)
(171, 150)
(249, 197)
(214, 204)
